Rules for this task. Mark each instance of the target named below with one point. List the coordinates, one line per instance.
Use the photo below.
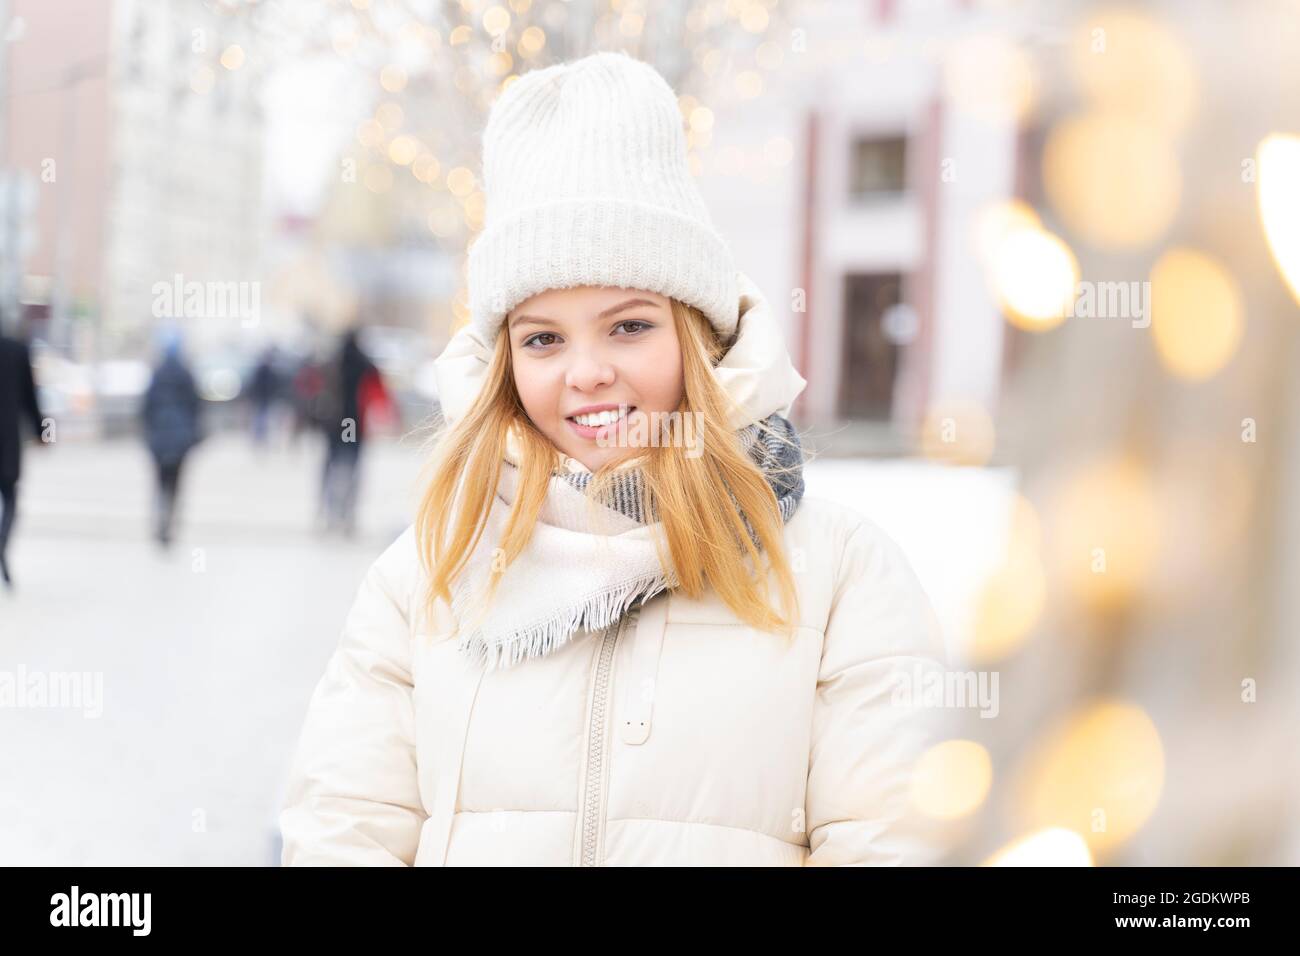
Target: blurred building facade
(186, 162)
(142, 121)
(852, 196)
(55, 134)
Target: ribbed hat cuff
(588, 241)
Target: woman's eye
(543, 339)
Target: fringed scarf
(578, 573)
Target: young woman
(617, 634)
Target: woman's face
(592, 348)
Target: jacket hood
(756, 371)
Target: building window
(878, 167)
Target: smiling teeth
(596, 419)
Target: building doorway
(870, 354)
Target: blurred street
(207, 663)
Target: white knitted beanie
(587, 184)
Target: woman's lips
(594, 431)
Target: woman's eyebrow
(519, 320)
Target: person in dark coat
(307, 387)
(17, 402)
(265, 388)
(344, 427)
(171, 413)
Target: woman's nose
(587, 372)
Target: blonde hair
(699, 501)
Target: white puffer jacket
(680, 737)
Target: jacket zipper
(591, 808)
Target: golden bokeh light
(952, 779)
(1098, 773)
(1129, 61)
(460, 309)
(444, 219)
(232, 57)
(1012, 600)
(426, 168)
(701, 119)
(1009, 605)
(754, 18)
(712, 62)
(1025, 535)
(1113, 179)
(370, 133)
(1055, 846)
(475, 206)
(344, 42)
(531, 42)
(460, 181)
(1278, 189)
(389, 115)
(392, 78)
(957, 432)
(1034, 275)
(496, 20)
(403, 150)
(631, 24)
(1196, 313)
(1105, 532)
(995, 221)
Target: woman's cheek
(532, 395)
(665, 382)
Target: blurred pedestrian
(306, 388)
(172, 411)
(17, 402)
(265, 390)
(353, 386)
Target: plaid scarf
(779, 462)
(576, 574)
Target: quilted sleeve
(882, 634)
(353, 794)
